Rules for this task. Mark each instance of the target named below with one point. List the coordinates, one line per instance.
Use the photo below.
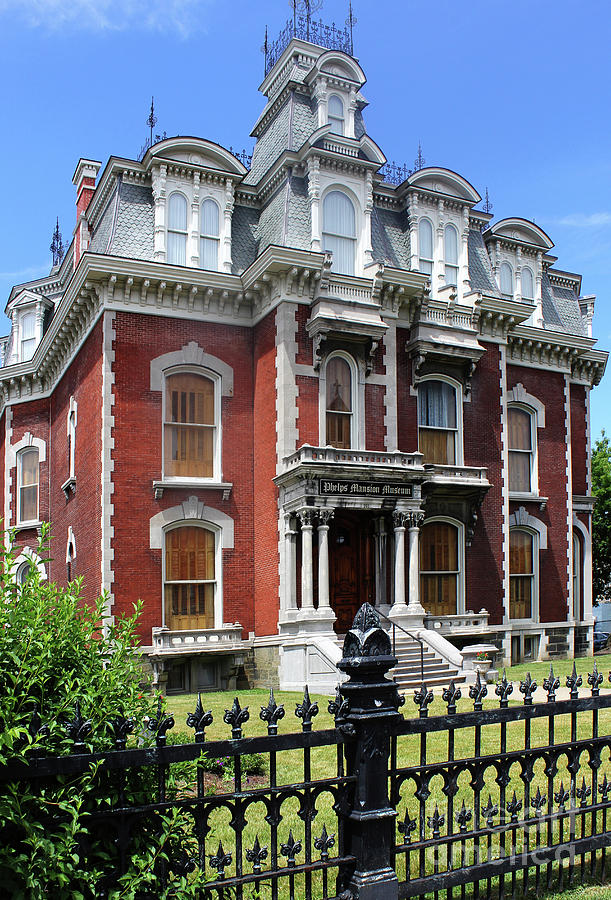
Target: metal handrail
(414, 637)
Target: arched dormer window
(28, 336)
(425, 246)
(451, 254)
(27, 485)
(191, 427)
(339, 402)
(209, 235)
(177, 229)
(438, 422)
(528, 284)
(339, 231)
(506, 281)
(335, 109)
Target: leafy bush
(56, 651)
(252, 764)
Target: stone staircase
(437, 671)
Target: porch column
(380, 563)
(324, 517)
(398, 521)
(290, 536)
(414, 521)
(306, 517)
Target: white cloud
(29, 272)
(180, 16)
(585, 220)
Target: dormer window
(506, 281)
(335, 110)
(451, 254)
(339, 231)
(28, 336)
(209, 236)
(425, 247)
(528, 284)
(177, 229)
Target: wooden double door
(351, 566)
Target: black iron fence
(498, 801)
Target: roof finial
(488, 207)
(420, 161)
(152, 120)
(351, 22)
(57, 245)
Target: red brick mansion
(257, 397)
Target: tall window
(336, 114)
(27, 485)
(28, 336)
(451, 254)
(528, 284)
(71, 442)
(439, 568)
(339, 403)
(425, 246)
(209, 236)
(190, 578)
(190, 430)
(521, 573)
(577, 578)
(521, 449)
(437, 422)
(177, 229)
(339, 231)
(506, 281)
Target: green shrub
(252, 764)
(56, 651)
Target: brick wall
(548, 387)
(137, 459)
(482, 447)
(407, 425)
(375, 430)
(578, 438)
(265, 499)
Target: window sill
(69, 486)
(160, 486)
(529, 498)
(25, 526)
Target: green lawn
(290, 765)
(562, 668)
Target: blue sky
(513, 94)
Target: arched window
(27, 486)
(577, 577)
(521, 573)
(190, 577)
(437, 422)
(507, 281)
(209, 236)
(23, 572)
(339, 231)
(522, 437)
(425, 246)
(71, 442)
(336, 114)
(528, 284)
(28, 336)
(190, 426)
(339, 403)
(70, 554)
(451, 254)
(177, 229)
(439, 568)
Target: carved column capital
(414, 518)
(325, 514)
(306, 517)
(399, 519)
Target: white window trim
(24, 523)
(29, 556)
(360, 243)
(170, 230)
(193, 512)
(507, 296)
(210, 237)
(70, 546)
(459, 442)
(446, 264)
(586, 575)
(460, 580)
(357, 425)
(215, 378)
(71, 423)
(522, 520)
(337, 118)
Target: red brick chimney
(84, 180)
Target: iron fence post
(373, 701)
